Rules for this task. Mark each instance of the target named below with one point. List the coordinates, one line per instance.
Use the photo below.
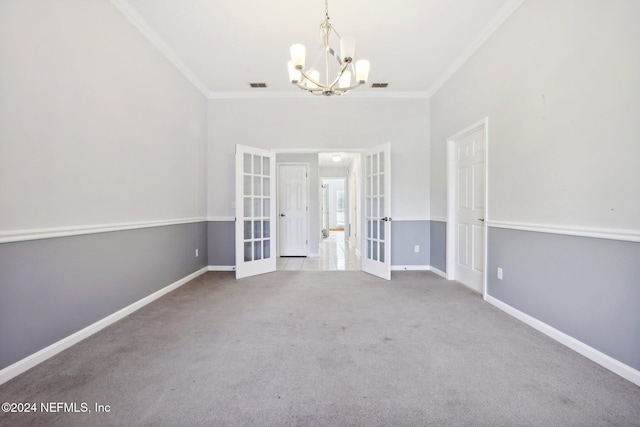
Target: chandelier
(343, 70)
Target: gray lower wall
(405, 235)
(52, 288)
(438, 243)
(221, 240)
(584, 287)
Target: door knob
(481, 219)
(282, 214)
(386, 218)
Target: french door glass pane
(247, 163)
(257, 207)
(382, 224)
(374, 255)
(266, 211)
(257, 186)
(266, 189)
(375, 229)
(374, 165)
(265, 166)
(247, 230)
(257, 165)
(247, 251)
(257, 229)
(257, 250)
(374, 202)
(247, 207)
(381, 177)
(266, 246)
(247, 185)
(266, 229)
(381, 161)
(381, 251)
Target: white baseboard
(221, 268)
(615, 366)
(29, 362)
(410, 268)
(438, 272)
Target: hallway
(335, 255)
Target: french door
(376, 257)
(255, 211)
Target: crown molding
(141, 24)
(486, 32)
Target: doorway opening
(333, 223)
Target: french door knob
(282, 214)
(481, 219)
(386, 218)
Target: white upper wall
(559, 83)
(96, 125)
(331, 124)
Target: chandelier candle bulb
(362, 71)
(347, 48)
(345, 80)
(294, 75)
(298, 52)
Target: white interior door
(469, 228)
(255, 211)
(376, 257)
(293, 209)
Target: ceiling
(326, 159)
(222, 46)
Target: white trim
(599, 233)
(300, 94)
(438, 272)
(48, 233)
(221, 268)
(615, 366)
(438, 218)
(221, 218)
(486, 32)
(29, 362)
(313, 255)
(410, 268)
(141, 24)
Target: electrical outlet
(196, 253)
(416, 248)
(499, 273)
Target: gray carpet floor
(323, 349)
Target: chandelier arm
(343, 67)
(315, 82)
(348, 88)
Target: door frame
(347, 203)
(308, 189)
(481, 125)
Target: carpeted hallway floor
(323, 349)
